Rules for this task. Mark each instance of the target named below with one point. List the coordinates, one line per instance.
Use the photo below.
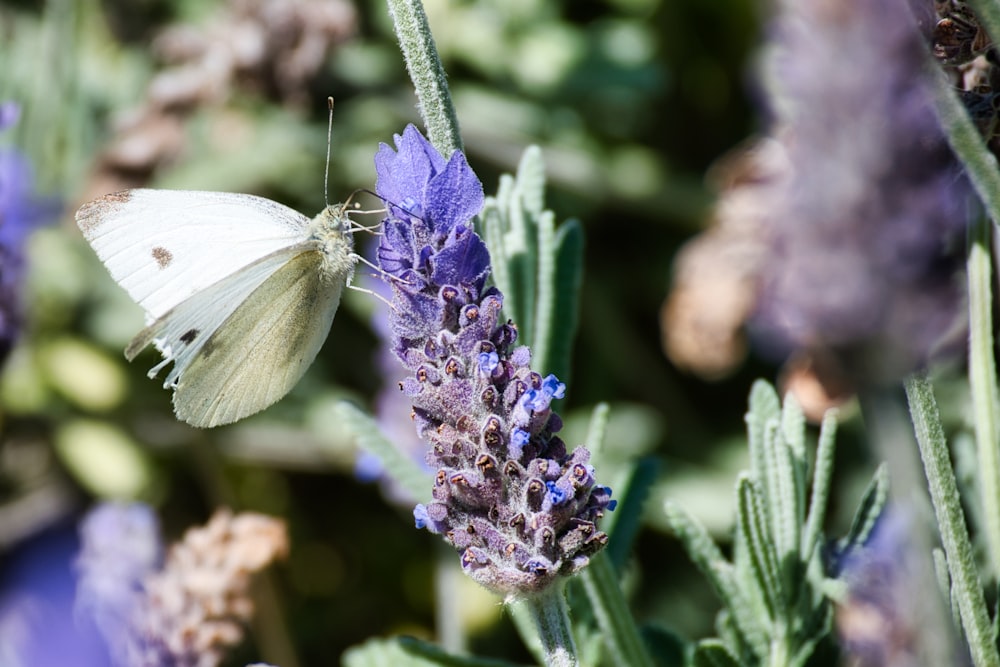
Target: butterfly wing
(163, 246)
(181, 333)
(260, 350)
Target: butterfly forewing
(163, 246)
(263, 347)
(181, 333)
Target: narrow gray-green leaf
(822, 474)
(983, 385)
(764, 408)
(596, 430)
(951, 521)
(545, 297)
(720, 574)
(404, 470)
(621, 634)
(868, 510)
(531, 179)
(793, 429)
(753, 525)
(793, 426)
(780, 496)
(626, 521)
(568, 285)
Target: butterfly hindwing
(180, 333)
(263, 347)
(155, 241)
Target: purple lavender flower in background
(20, 212)
(887, 616)
(39, 625)
(507, 495)
(120, 547)
(865, 225)
(189, 607)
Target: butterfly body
(239, 291)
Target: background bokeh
(631, 102)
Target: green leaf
(793, 427)
(596, 429)
(545, 297)
(568, 281)
(492, 229)
(531, 180)
(713, 653)
(779, 499)
(720, 574)
(403, 469)
(632, 496)
(868, 511)
(621, 634)
(764, 409)
(823, 473)
(752, 526)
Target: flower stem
(983, 383)
(427, 74)
(550, 615)
(951, 521)
(979, 164)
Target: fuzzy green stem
(550, 616)
(427, 74)
(951, 521)
(983, 383)
(978, 162)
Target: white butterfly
(239, 291)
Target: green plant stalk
(550, 617)
(979, 164)
(951, 521)
(983, 383)
(427, 74)
(613, 615)
(981, 167)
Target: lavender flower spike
(507, 495)
(20, 212)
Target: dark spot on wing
(189, 336)
(162, 256)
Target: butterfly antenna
(329, 137)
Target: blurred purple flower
(20, 212)
(885, 618)
(866, 222)
(507, 495)
(189, 607)
(38, 626)
(120, 548)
